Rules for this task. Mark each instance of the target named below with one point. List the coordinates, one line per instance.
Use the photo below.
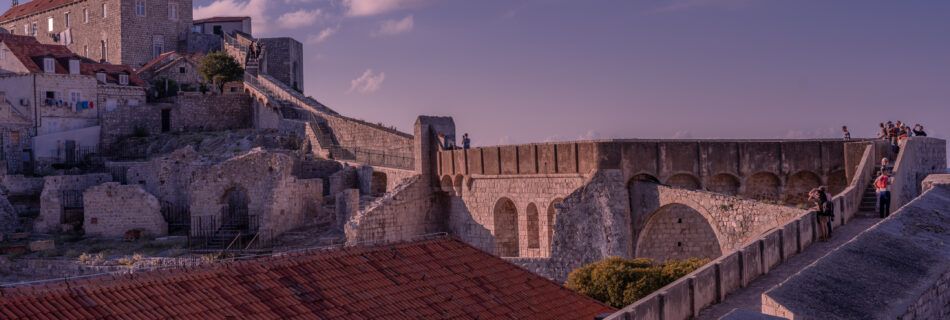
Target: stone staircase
(868, 207)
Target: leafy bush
(620, 282)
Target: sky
(519, 71)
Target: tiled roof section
(221, 19)
(112, 72)
(9, 37)
(25, 52)
(31, 8)
(436, 278)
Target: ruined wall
(51, 206)
(919, 157)
(168, 178)
(194, 111)
(111, 209)
(409, 210)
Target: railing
(206, 236)
(178, 217)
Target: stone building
(283, 60)
(131, 32)
(222, 25)
(181, 67)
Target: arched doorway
(236, 215)
(533, 227)
(552, 219)
(676, 231)
(506, 228)
(378, 183)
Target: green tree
(620, 282)
(218, 67)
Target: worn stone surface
(8, 216)
(168, 178)
(111, 209)
(918, 158)
(903, 263)
(411, 209)
(51, 206)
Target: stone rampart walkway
(750, 297)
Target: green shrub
(620, 282)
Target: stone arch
(796, 190)
(235, 213)
(635, 183)
(677, 231)
(684, 180)
(643, 177)
(837, 182)
(446, 183)
(763, 186)
(378, 183)
(533, 226)
(723, 183)
(506, 228)
(458, 184)
(552, 219)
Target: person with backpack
(881, 185)
(825, 208)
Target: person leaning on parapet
(919, 131)
(882, 134)
(466, 143)
(822, 202)
(847, 134)
(881, 185)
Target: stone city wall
(195, 111)
(904, 266)
(111, 209)
(51, 206)
(409, 210)
(919, 157)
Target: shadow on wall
(461, 222)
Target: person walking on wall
(882, 132)
(820, 198)
(847, 134)
(919, 131)
(881, 185)
(466, 143)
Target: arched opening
(378, 184)
(458, 184)
(446, 184)
(236, 216)
(552, 219)
(796, 190)
(723, 183)
(643, 177)
(763, 186)
(676, 231)
(533, 227)
(506, 228)
(683, 180)
(641, 190)
(837, 182)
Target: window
(74, 97)
(15, 137)
(67, 19)
(50, 20)
(49, 65)
(73, 66)
(101, 77)
(217, 30)
(34, 29)
(123, 79)
(158, 45)
(85, 51)
(181, 69)
(26, 29)
(172, 11)
(85, 15)
(104, 11)
(105, 45)
(140, 8)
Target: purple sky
(513, 71)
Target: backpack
(828, 209)
(881, 182)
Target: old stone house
(131, 32)
(62, 96)
(180, 67)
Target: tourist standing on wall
(881, 184)
(882, 134)
(820, 198)
(919, 130)
(466, 143)
(847, 134)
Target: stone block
(587, 157)
(547, 162)
(474, 161)
(566, 157)
(806, 229)
(771, 250)
(751, 262)
(491, 161)
(677, 302)
(730, 274)
(461, 162)
(42, 245)
(509, 159)
(790, 239)
(527, 159)
(647, 308)
(705, 287)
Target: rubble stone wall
(410, 210)
(51, 206)
(112, 209)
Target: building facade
(131, 32)
(222, 25)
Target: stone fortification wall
(51, 206)
(780, 171)
(194, 111)
(904, 266)
(168, 178)
(409, 210)
(919, 157)
(112, 209)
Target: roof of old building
(17, 38)
(32, 53)
(167, 59)
(31, 8)
(221, 19)
(440, 277)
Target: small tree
(218, 68)
(620, 282)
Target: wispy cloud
(368, 82)
(677, 5)
(298, 19)
(322, 35)
(357, 8)
(392, 27)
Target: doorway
(166, 120)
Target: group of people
(826, 210)
(446, 143)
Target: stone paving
(750, 298)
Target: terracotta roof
(434, 278)
(26, 51)
(221, 19)
(31, 8)
(112, 72)
(167, 58)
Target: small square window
(181, 69)
(93, 220)
(49, 65)
(85, 15)
(140, 8)
(123, 79)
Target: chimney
(14, 3)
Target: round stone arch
(796, 190)
(643, 176)
(762, 186)
(723, 183)
(235, 204)
(457, 184)
(446, 183)
(679, 231)
(505, 216)
(684, 180)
